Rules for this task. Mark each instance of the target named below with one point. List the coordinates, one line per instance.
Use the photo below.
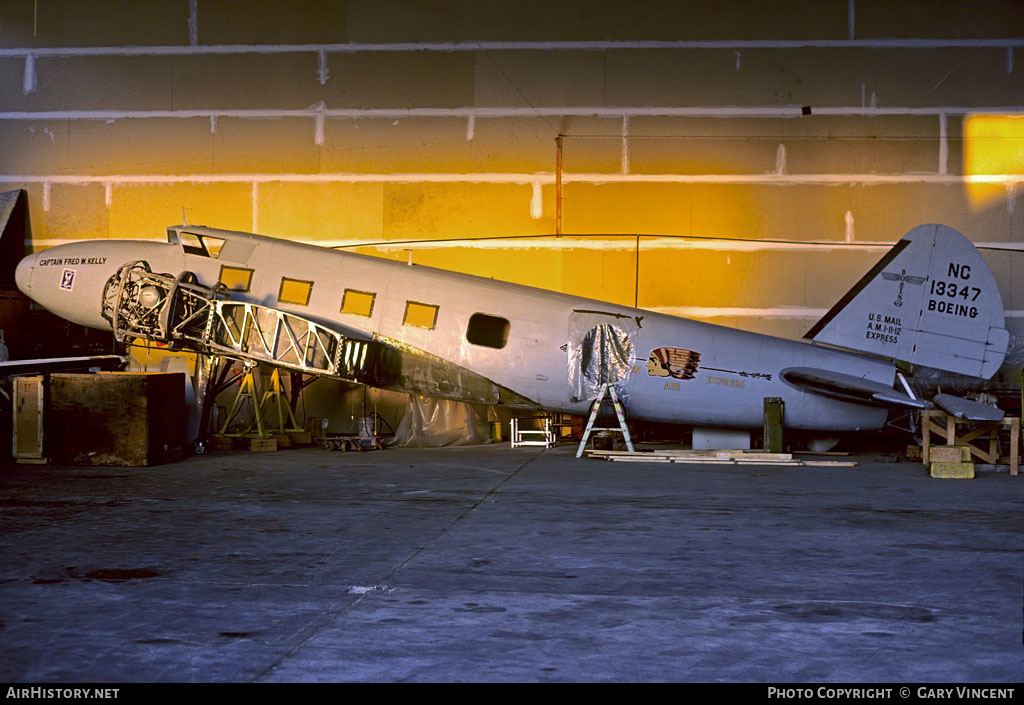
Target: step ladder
(607, 390)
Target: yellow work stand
(945, 425)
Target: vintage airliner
(930, 302)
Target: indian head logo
(673, 362)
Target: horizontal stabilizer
(843, 387)
(931, 301)
(967, 409)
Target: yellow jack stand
(274, 396)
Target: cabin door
(600, 351)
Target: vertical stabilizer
(931, 301)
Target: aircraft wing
(62, 364)
(967, 409)
(843, 387)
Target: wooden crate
(962, 471)
(262, 445)
(950, 454)
(116, 418)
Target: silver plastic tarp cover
(600, 352)
(432, 423)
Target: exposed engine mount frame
(183, 314)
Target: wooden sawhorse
(931, 421)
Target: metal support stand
(263, 406)
(246, 392)
(607, 390)
(275, 397)
(547, 435)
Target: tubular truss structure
(183, 314)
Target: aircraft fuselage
(519, 337)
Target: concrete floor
(494, 564)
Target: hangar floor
(494, 564)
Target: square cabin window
(295, 291)
(420, 315)
(358, 303)
(489, 331)
(236, 278)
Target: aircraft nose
(23, 274)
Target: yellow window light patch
(295, 291)
(358, 303)
(993, 149)
(236, 278)
(420, 315)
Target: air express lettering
(725, 382)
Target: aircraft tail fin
(931, 301)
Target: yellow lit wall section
(149, 356)
(993, 147)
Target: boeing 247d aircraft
(931, 302)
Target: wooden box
(116, 418)
(949, 454)
(262, 444)
(961, 471)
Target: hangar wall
(737, 162)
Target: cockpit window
(192, 244)
(202, 245)
(213, 246)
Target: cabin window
(204, 246)
(420, 315)
(489, 331)
(236, 278)
(295, 291)
(358, 303)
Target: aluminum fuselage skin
(737, 369)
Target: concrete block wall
(695, 182)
